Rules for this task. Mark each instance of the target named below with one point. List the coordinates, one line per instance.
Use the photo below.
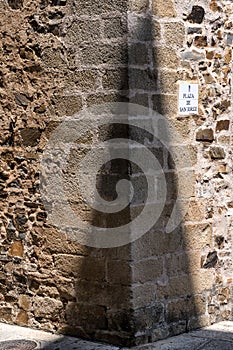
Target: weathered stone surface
(47, 307)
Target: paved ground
(217, 337)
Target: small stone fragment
(219, 242)
(228, 56)
(205, 135)
(16, 249)
(30, 136)
(211, 260)
(197, 15)
(210, 55)
(22, 318)
(200, 41)
(21, 100)
(192, 55)
(194, 30)
(214, 6)
(217, 152)
(222, 125)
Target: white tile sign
(188, 98)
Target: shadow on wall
(142, 291)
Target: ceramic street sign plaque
(188, 98)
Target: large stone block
(143, 294)
(81, 31)
(147, 270)
(139, 6)
(146, 318)
(47, 307)
(165, 57)
(66, 105)
(102, 7)
(97, 54)
(158, 8)
(116, 79)
(118, 272)
(80, 267)
(138, 54)
(112, 296)
(89, 317)
(115, 27)
(174, 34)
(83, 80)
(197, 237)
(143, 29)
(143, 79)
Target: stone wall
(60, 57)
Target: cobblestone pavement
(216, 337)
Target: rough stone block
(83, 80)
(120, 321)
(6, 314)
(222, 125)
(158, 8)
(169, 80)
(25, 302)
(197, 237)
(97, 54)
(157, 243)
(101, 98)
(118, 272)
(105, 294)
(30, 136)
(116, 79)
(140, 99)
(147, 270)
(176, 287)
(143, 79)
(140, 6)
(80, 267)
(174, 34)
(143, 29)
(165, 57)
(196, 211)
(115, 27)
(90, 8)
(81, 31)
(146, 318)
(217, 152)
(22, 318)
(165, 104)
(138, 54)
(66, 105)
(205, 135)
(47, 307)
(143, 294)
(89, 317)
